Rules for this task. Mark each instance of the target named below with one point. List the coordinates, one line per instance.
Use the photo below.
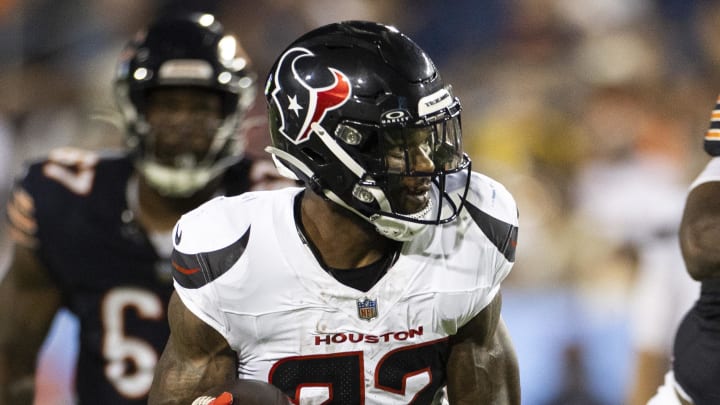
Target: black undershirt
(360, 278)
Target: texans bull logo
(301, 106)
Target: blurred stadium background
(590, 112)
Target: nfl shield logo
(367, 308)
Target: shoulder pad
(196, 270)
(494, 211)
(208, 240)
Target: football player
(696, 351)
(376, 283)
(92, 231)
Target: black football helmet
(348, 99)
(188, 50)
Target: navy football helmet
(188, 50)
(711, 143)
(353, 107)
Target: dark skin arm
(195, 360)
(700, 232)
(482, 368)
(29, 301)
(649, 371)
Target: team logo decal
(308, 103)
(367, 308)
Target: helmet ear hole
(314, 156)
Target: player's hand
(225, 398)
(245, 392)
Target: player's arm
(700, 232)
(482, 368)
(196, 359)
(28, 302)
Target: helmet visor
(405, 162)
(423, 151)
(427, 150)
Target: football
(252, 392)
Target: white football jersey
(242, 267)
(710, 173)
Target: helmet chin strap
(172, 182)
(401, 231)
(393, 228)
(183, 182)
(282, 168)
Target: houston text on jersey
(338, 338)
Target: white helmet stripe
(338, 151)
(284, 170)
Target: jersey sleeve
(489, 231)
(494, 211)
(46, 190)
(206, 245)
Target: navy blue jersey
(696, 352)
(109, 272)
